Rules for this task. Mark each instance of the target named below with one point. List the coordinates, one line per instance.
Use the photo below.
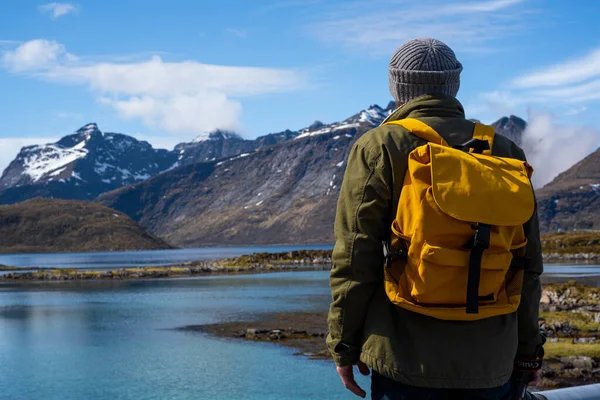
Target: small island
(300, 260)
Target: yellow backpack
(457, 242)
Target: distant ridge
(45, 225)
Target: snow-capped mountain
(89, 162)
(512, 127)
(81, 166)
(369, 118)
(212, 146)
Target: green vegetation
(292, 257)
(577, 292)
(571, 242)
(565, 348)
(582, 320)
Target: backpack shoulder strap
(420, 129)
(487, 133)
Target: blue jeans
(383, 388)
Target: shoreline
(296, 260)
(569, 312)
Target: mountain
(81, 166)
(221, 144)
(511, 127)
(283, 193)
(221, 188)
(572, 200)
(45, 225)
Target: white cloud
(57, 10)
(181, 113)
(242, 34)
(565, 73)
(380, 26)
(482, 6)
(571, 83)
(186, 97)
(34, 55)
(159, 78)
(544, 139)
(11, 147)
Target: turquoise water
(139, 258)
(115, 340)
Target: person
(415, 356)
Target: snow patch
(76, 176)
(57, 172)
(339, 164)
(41, 160)
(346, 126)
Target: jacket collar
(429, 105)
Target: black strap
(520, 262)
(478, 146)
(481, 242)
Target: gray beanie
(423, 66)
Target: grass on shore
(582, 320)
(571, 242)
(565, 348)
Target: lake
(116, 339)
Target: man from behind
(451, 310)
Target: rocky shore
(572, 257)
(569, 313)
(254, 263)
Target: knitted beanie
(423, 66)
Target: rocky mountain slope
(512, 127)
(81, 166)
(572, 200)
(44, 225)
(90, 162)
(285, 193)
(221, 144)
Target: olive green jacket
(408, 347)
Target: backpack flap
(481, 189)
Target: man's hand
(347, 375)
(535, 380)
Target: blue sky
(166, 71)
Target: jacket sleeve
(360, 227)
(528, 311)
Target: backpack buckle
(482, 236)
(478, 146)
(392, 256)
